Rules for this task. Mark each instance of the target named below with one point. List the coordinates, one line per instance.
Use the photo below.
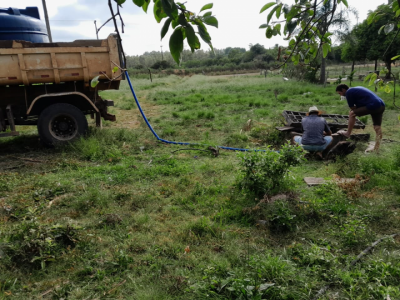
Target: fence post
(326, 78)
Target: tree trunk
(323, 78)
(388, 64)
(352, 66)
(376, 64)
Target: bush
(163, 64)
(265, 172)
(281, 217)
(268, 135)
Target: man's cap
(313, 109)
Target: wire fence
(362, 69)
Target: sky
(239, 22)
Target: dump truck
(49, 85)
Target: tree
(336, 22)
(257, 49)
(182, 22)
(350, 48)
(306, 40)
(306, 25)
(373, 42)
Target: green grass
(112, 214)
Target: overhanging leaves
(203, 33)
(266, 6)
(207, 6)
(158, 11)
(138, 2)
(192, 38)
(146, 5)
(170, 8)
(389, 28)
(271, 13)
(94, 82)
(165, 28)
(212, 21)
(325, 49)
(176, 44)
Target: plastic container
(22, 24)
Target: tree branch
(398, 30)
(304, 32)
(117, 30)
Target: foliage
(372, 44)
(267, 134)
(376, 80)
(351, 76)
(264, 172)
(163, 64)
(31, 244)
(281, 217)
(389, 13)
(181, 21)
(304, 26)
(266, 277)
(339, 80)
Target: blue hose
(170, 142)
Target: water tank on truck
(22, 24)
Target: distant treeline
(220, 61)
(228, 59)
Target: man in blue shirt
(363, 102)
(314, 127)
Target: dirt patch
(132, 118)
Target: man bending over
(363, 102)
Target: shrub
(281, 217)
(268, 135)
(265, 172)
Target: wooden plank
(285, 128)
(313, 181)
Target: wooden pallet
(294, 118)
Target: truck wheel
(61, 123)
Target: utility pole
(97, 32)
(162, 55)
(46, 17)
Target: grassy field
(119, 215)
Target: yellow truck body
(35, 76)
(25, 63)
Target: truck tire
(61, 123)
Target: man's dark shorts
(376, 114)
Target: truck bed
(25, 63)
